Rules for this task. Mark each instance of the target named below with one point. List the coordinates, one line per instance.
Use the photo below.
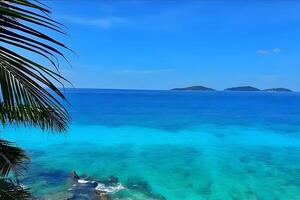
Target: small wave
(82, 181)
(109, 189)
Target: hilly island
(193, 88)
(243, 88)
(234, 89)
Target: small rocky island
(239, 88)
(243, 89)
(194, 88)
(278, 90)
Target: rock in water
(104, 197)
(74, 175)
(113, 179)
(89, 189)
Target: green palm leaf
(30, 92)
(12, 159)
(11, 191)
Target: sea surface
(173, 145)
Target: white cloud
(268, 52)
(263, 52)
(276, 50)
(104, 22)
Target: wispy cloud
(102, 22)
(263, 52)
(276, 50)
(268, 51)
(143, 71)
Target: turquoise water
(173, 145)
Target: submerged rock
(113, 179)
(86, 188)
(104, 197)
(137, 184)
(143, 187)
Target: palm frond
(29, 89)
(12, 159)
(11, 191)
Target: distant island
(278, 90)
(243, 88)
(195, 88)
(239, 88)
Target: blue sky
(166, 44)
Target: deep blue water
(176, 144)
(178, 110)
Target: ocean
(173, 145)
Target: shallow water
(173, 145)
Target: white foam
(24, 186)
(109, 189)
(82, 181)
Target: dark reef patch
(142, 186)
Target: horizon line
(170, 89)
